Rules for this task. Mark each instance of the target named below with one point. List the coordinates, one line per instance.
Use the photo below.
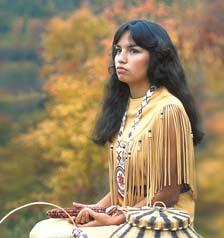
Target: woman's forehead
(126, 39)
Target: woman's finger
(89, 224)
(87, 217)
(84, 216)
(76, 204)
(83, 219)
(91, 213)
(80, 217)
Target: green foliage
(33, 8)
(6, 20)
(17, 77)
(18, 106)
(18, 54)
(20, 223)
(5, 132)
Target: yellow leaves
(53, 39)
(137, 10)
(210, 176)
(171, 26)
(71, 42)
(213, 68)
(67, 155)
(118, 7)
(63, 110)
(77, 140)
(64, 87)
(41, 135)
(97, 70)
(215, 124)
(161, 9)
(187, 50)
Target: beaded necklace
(122, 146)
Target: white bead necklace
(122, 147)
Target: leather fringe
(166, 145)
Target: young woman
(151, 124)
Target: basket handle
(159, 202)
(36, 203)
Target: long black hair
(164, 69)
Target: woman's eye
(131, 50)
(134, 51)
(117, 50)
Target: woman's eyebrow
(129, 46)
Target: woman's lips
(121, 70)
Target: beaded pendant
(122, 153)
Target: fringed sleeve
(170, 159)
(112, 176)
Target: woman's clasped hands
(87, 217)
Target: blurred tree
(75, 55)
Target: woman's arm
(105, 201)
(169, 195)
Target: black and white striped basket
(158, 222)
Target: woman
(151, 124)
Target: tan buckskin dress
(162, 139)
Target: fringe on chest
(152, 156)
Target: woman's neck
(138, 90)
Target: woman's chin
(123, 79)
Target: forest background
(54, 56)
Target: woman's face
(131, 61)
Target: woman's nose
(122, 58)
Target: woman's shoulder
(168, 107)
(166, 98)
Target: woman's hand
(83, 216)
(99, 219)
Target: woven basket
(158, 222)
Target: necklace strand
(121, 148)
